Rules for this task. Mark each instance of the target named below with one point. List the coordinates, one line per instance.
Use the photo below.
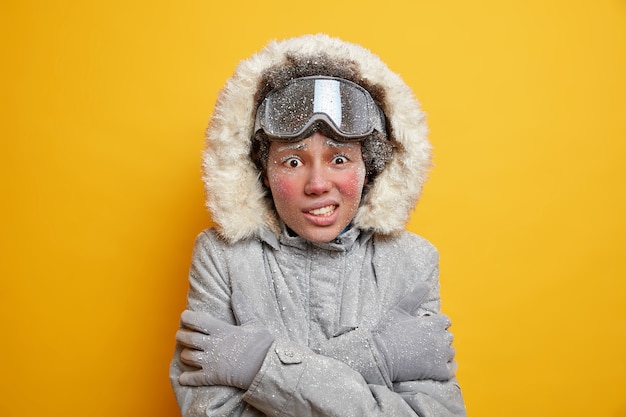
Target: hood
(236, 198)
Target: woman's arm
(296, 382)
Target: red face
(316, 184)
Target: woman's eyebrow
(298, 146)
(334, 144)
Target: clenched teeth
(323, 211)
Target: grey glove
(416, 347)
(226, 354)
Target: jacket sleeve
(208, 291)
(294, 381)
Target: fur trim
(236, 198)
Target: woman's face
(316, 184)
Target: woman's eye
(292, 162)
(340, 159)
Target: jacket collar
(341, 243)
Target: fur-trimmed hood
(236, 197)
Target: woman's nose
(317, 182)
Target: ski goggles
(306, 104)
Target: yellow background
(103, 109)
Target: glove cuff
(256, 353)
(378, 343)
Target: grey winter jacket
(305, 293)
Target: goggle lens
(289, 112)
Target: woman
(308, 298)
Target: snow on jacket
(306, 293)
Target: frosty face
(316, 184)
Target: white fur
(235, 196)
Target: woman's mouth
(323, 211)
